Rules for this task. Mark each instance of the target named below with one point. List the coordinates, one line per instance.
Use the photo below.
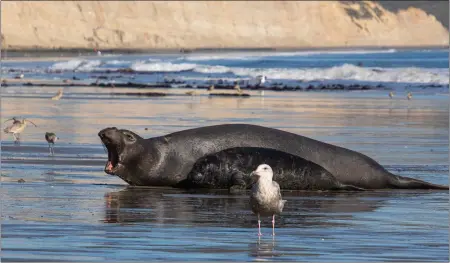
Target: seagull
(261, 79)
(409, 96)
(391, 94)
(58, 95)
(51, 138)
(17, 127)
(20, 76)
(265, 197)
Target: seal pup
(167, 160)
(17, 127)
(265, 197)
(231, 169)
(51, 138)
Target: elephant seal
(167, 160)
(231, 169)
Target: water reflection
(216, 208)
(263, 249)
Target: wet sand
(68, 209)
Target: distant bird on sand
(17, 127)
(238, 89)
(51, 138)
(20, 76)
(391, 94)
(191, 93)
(260, 80)
(409, 96)
(265, 197)
(211, 88)
(58, 95)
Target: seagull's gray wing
(277, 190)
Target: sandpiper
(51, 138)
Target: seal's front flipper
(349, 187)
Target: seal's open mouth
(113, 155)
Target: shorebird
(409, 96)
(58, 95)
(20, 76)
(191, 93)
(391, 94)
(17, 127)
(51, 138)
(211, 88)
(238, 89)
(265, 197)
(260, 80)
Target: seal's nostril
(101, 134)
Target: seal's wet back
(167, 160)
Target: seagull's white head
(264, 172)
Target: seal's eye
(130, 137)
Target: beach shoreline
(21, 53)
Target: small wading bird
(265, 197)
(391, 94)
(191, 93)
(58, 95)
(51, 138)
(409, 96)
(238, 89)
(17, 127)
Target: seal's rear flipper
(402, 182)
(349, 187)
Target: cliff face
(213, 24)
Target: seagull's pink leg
(273, 225)
(259, 227)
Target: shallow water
(68, 209)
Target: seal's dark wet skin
(168, 160)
